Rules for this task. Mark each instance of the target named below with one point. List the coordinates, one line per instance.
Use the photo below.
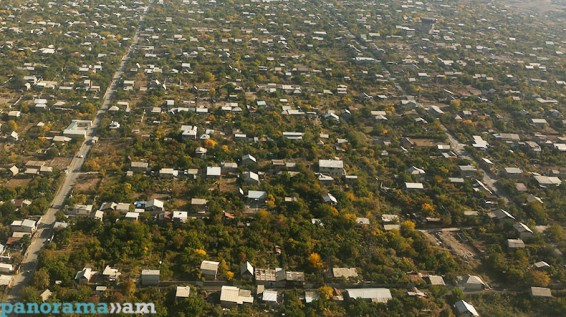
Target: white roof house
(414, 186)
(183, 291)
(465, 309)
(213, 171)
(181, 215)
(329, 198)
(231, 295)
(524, 231)
(378, 295)
(270, 296)
(344, 272)
(6, 268)
(515, 244)
(110, 273)
(257, 195)
(150, 277)
(471, 282)
(540, 292)
(77, 128)
(330, 164)
(209, 268)
(415, 171)
(544, 181)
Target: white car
(80, 156)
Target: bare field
(460, 249)
(87, 182)
(60, 162)
(17, 182)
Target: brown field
(17, 182)
(227, 185)
(426, 142)
(87, 183)
(460, 249)
(60, 162)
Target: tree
(10, 126)
(325, 292)
(315, 261)
(40, 279)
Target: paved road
(45, 229)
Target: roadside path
(45, 228)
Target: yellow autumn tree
(315, 261)
(427, 208)
(326, 292)
(210, 143)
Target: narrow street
(45, 228)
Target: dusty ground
(462, 250)
(426, 142)
(87, 182)
(17, 182)
(228, 185)
(60, 162)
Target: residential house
(248, 159)
(414, 186)
(471, 283)
(81, 210)
(270, 296)
(150, 277)
(111, 274)
(256, 195)
(331, 167)
(523, 231)
(209, 269)
(26, 226)
(213, 171)
(545, 181)
(468, 170)
(343, 272)
(540, 292)
(246, 270)
(189, 132)
(45, 295)
(140, 167)
(132, 216)
(502, 215)
(182, 216)
(183, 292)
(168, 173)
(6, 268)
(14, 170)
(515, 244)
(464, 309)
(541, 265)
(231, 296)
(251, 178)
(435, 280)
(513, 172)
(199, 205)
(329, 198)
(294, 279)
(376, 295)
(270, 277)
(85, 275)
(154, 205)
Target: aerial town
(285, 157)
